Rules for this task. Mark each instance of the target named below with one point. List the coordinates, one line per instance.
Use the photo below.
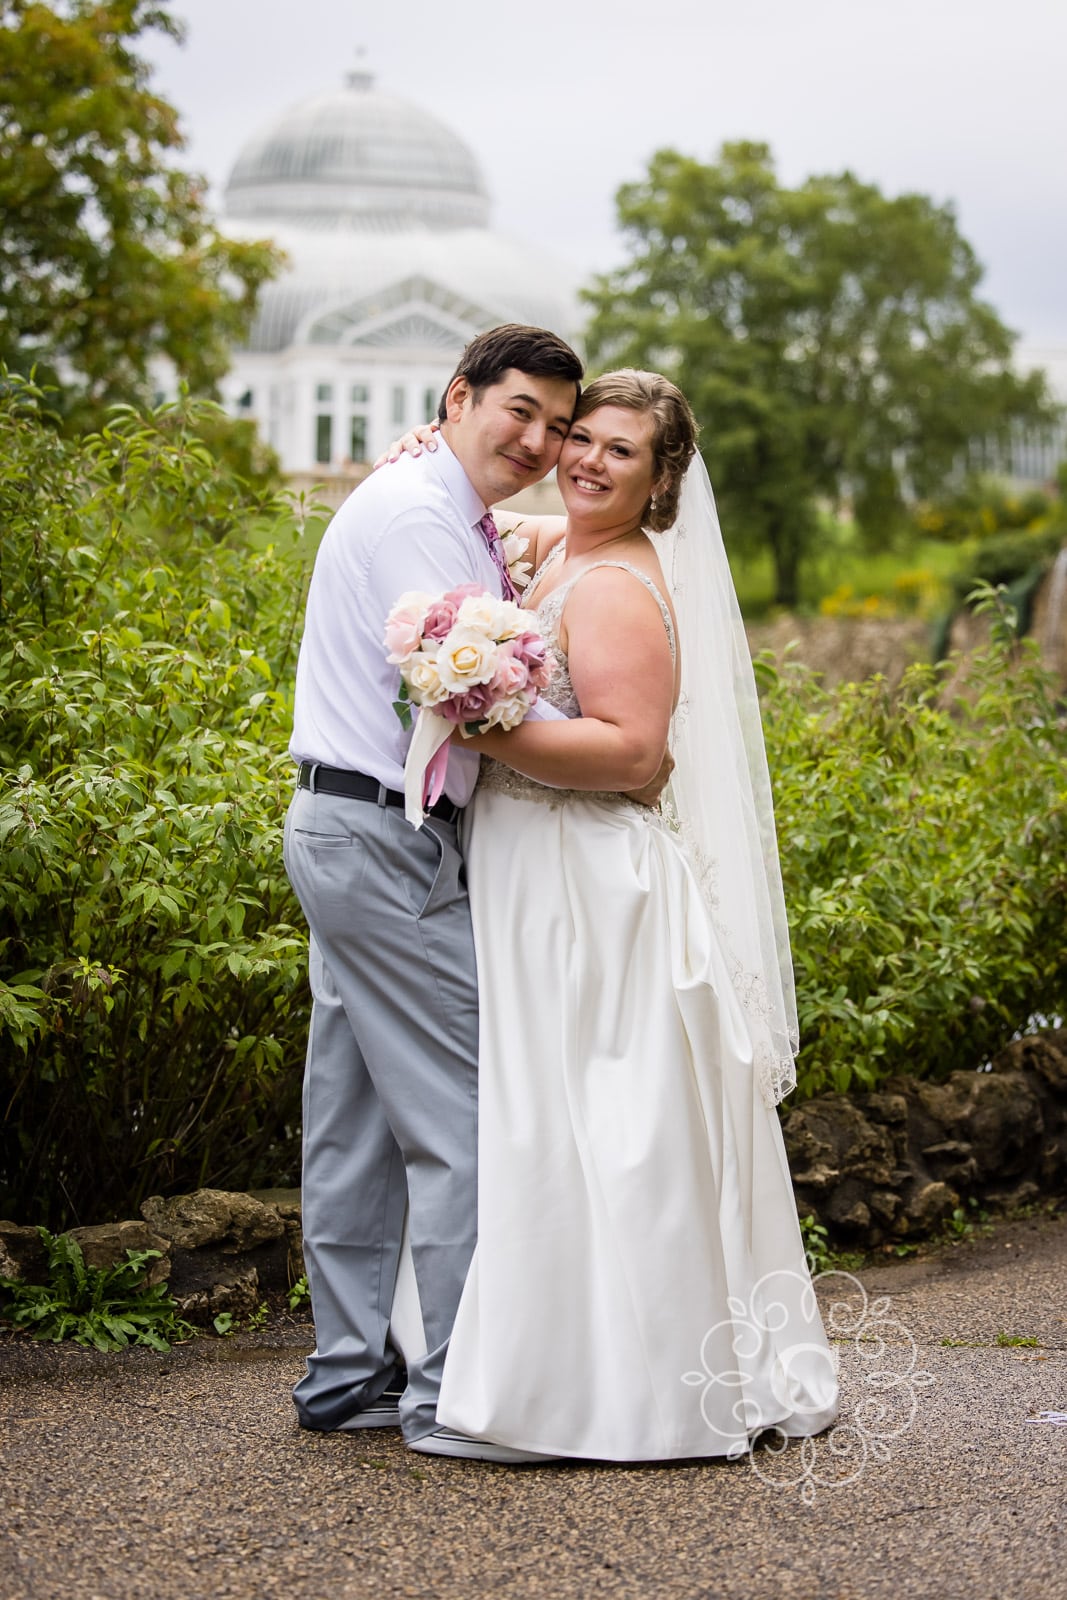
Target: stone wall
(218, 1251)
(890, 1165)
(896, 1163)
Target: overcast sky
(964, 100)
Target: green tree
(830, 340)
(108, 256)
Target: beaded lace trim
(560, 693)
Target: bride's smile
(606, 466)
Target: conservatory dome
(357, 157)
(390, 268)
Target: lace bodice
(560, 692)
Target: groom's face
(511, 434)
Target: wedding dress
(639, 1289)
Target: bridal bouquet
(466, 660)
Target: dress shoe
(381, 1413)
(444, 1442)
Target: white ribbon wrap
(430, 734)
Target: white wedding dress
(639, 1289)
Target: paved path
(141, 1477)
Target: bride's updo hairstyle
(674, 439)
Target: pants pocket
(433, 880)
(320, 841)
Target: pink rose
(511, 674)
(439, 619)
(471, 706)
(532, 650)
(460, 593)
(403, 627)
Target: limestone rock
(1024, 1194)
(849, 1213)
(108, 1242)
(1003, 1123)
(286, 1202)
(929, 1205)
(22, 1254)
(885, 1205)
(205, 1286)
(831, 1136)
(236, 1222)
(1042, 1053)
(952, 1161)
(888, 1108)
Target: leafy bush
(151, 968)
(152, 957)
(108, 1307)
(924, 848)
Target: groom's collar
(446, 464)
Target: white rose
(465, 657)
(510, 711)
(424, 680)
(482, 612)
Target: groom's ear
(456, 397)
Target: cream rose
(424, 680)
(464, 658)
(509, 712)
(484, 613)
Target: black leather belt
(358, 786)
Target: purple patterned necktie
(491, 534)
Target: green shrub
(924, 849)
(153, 1002)
(151, 963)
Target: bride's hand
(650, 794)
(411, 443)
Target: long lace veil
(720, 791)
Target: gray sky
(964, 100)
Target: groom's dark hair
(533, 350)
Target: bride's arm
(410, 443)
(622, 672)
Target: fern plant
(107, 1307)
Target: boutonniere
(515, 546)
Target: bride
(639, 1289)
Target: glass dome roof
(357, 157)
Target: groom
(391, 1083)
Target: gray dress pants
(390, 1094)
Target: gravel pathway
(145, 1477)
